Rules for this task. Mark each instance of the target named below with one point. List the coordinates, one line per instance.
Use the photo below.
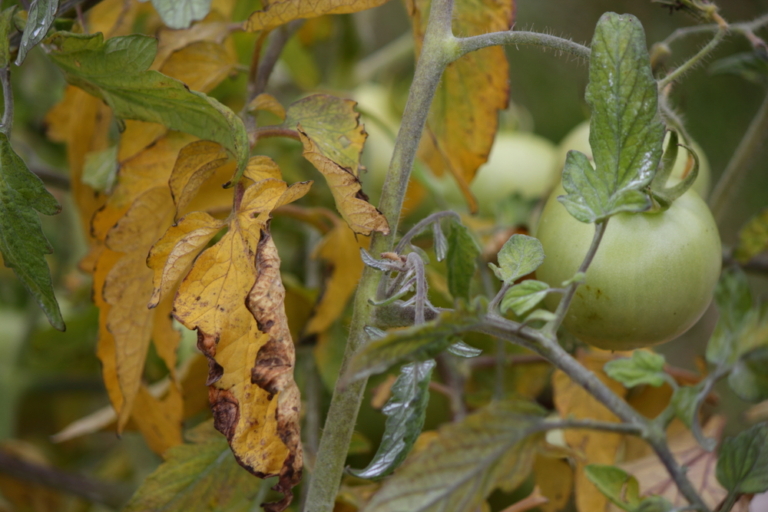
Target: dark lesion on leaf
(207, 345)
(226, 411)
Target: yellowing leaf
(195, 164)
(554, 477)
(269, 103)
(137, 136)
(571, 400)
(159, 420)
(281, 12)
(112, 17)
(464, 115)
(201, 65)
(170, 41)
(352, 203)
(340, 249)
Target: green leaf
(39, 20)
(749, 377)
(461, 349)
(6, 22)
(750, 66)
(642, 368)
(742, 465)
(626, 132)
(416, 343)
(616, 484)
(461, 261)
(21, 236)
(753, 238)
(737, 312)
(540, 315)
(405, 411)
(520, 255)
(205, 472)
(525, 296)
(686, 401)
(492, 448)
(181, 13)
(117, 71)
(100, 169)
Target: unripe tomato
(578, 139)
(653, 275)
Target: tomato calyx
(664, 196)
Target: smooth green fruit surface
(578, 139)
(653, 275)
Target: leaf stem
(737, 168)
(345, 402)
(7, 121)
(741, 27)
(421, 226)
(512, 37)
(696, 59)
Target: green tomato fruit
(519, 162)
(652, 278)
(578, 139)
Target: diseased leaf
(416, 343)
(363, 218)
(753, 238)
(280, 12)
(643, 367)
(742, 465)
(22, 242)
(117, 71)
(749, 377)
(181, 13)
(463, 118)
(461, 260)
(406, 411)
(519, 256)
(626, 132)
(523, 297)
(202, 472)
(618, 486)
(39, 20)
(492, 448)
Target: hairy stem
(737, 168)
(696, 59)
(511, 37)
(345, 402)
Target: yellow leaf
(281, 12)
(269, 103)
(112, 17)
(195, 164)
(159, 420)
(138, 136)
(201, 65)
(262, 168)
(351, 202)
(340, 249)
(464, 116)
(170, 41)
(571, 400)
(554, 477)
(172, 255)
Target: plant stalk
(346, 401)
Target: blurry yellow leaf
(464, 116)
(382, 392)
(280, 12)
(571, 400)
(341, 252)
(170, 41)
(201, 65)
(262, 168)
(137, 136)
(351, 202)
(105, 348)
(159, 420)
(269, 103)
(196, 163)
(533, 500)
(112, 17)
(554, 477)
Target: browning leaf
(281, 12)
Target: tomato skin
(652, 278)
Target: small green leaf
(181, 13)
(642, 368)
(39, 20)
(461, 260)
(461, 349)
(416, 343)
(749, 377)
(100, 169)
(540, 315)
(492, 448)
(117, 71)
(520, 255)
(750, 66)
(737, 312)
(523, 297)
(742, 465)
(405, 411)
(616, 484)
(686, 401)
(626, 132)
(6, 22)
(753, 238)
(21, 236)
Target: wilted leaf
(525, 296)
(22, 242)
(492, 448)
(643, 367)
(521, 255)
(753, 238)
(463, 118)
(280, 12)
(406, 411)
(461, 260)
(626, 131)
(351, 202)
(742, 466)
(193, 474)
(181, 13)
(40, 18)
(117, 71)
(201, 65)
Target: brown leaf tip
(226, 411)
